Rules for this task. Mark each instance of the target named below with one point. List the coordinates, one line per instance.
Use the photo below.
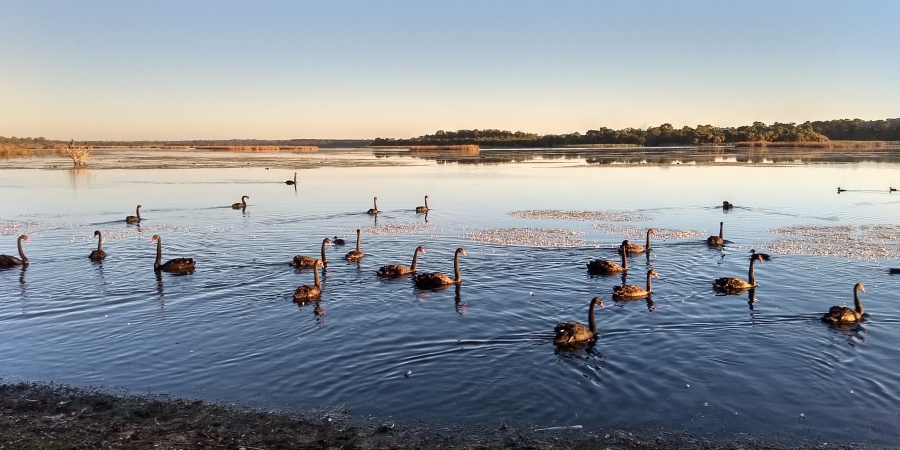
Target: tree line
(667, 135)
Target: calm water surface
(693, 360)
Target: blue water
(693, 360)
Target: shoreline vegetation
(53, 416)
(839, 134)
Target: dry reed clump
(819, 145)
(598, 216)
(867, 242)
(464, 149)
(79, 153)
(299, 148)
(239, 148)
(15, 152)
(175, 147)
(533, 237)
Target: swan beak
(28, 239)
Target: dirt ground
(47, 416)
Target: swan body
(841, 190)
(434, 280)
(136, 218)
(632, 292)
(242, 204)
(99, 254)
(303, 261)
(843, 314)
(310, 291)
(10, 261)
(375, 209)
(177, 265)
(355, 255)
(717, 240)
(736, 285)
(574, 333)
(290, 182)
(423, 209)
(398, 270)
(604, 266)
(638, 248)
(726, 205)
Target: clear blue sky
(221, 69)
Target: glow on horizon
(166, 70)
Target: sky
(332, 69)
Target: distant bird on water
(892, 189)
(843, 314)
(841, 190)
(290, 182)
(726, 205)
(242, 204)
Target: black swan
(398, 270)
(436, 279)
(631, 292)
(573, 333)
(717, 240)
(22, 260)
(638, 248)
(135, 218)
(242, 204)
(604, 266)
(290, 182)
(843, 314)
(423, 209)
(177, 265)
(355, 255)
(99, 254)
(306, 291)
(308, 261)
(375, 209)
(732, 284)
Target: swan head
(598, 301)
(327, 241)
(761, 257)
(652, 273)
(358, 231)
(651, 231)
(97, 233)
(155, 238)
(422, 249)
(860, 287)
(319, 263)
(25, 238)
(461, 251)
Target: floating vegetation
(16, 228)
(534, 237)
(598, 216)
(639, 233)
(410, 229)
(866, 242)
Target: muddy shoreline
(50, 416)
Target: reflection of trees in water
(653, 156)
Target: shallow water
(692, 360)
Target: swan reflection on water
(318, 309)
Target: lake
(690, 359)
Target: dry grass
(80, 154)
(15, 152)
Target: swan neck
(137, 212)
(856, 302)
(357, 240)
(99, 242)
(426, 202)
(415, 260)
(751, 276)
(649, 282)
(624, 257)
(318, 282)
(324, 261)
(647, 247)
(21, 252)
(592, 324)
(457, 275)
(721, 228)
(158, 253)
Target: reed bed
(867, 242)
(637, 234)
(15, 152)
(596, 216)
(175, 147)
(531, 237)
(240, 148)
